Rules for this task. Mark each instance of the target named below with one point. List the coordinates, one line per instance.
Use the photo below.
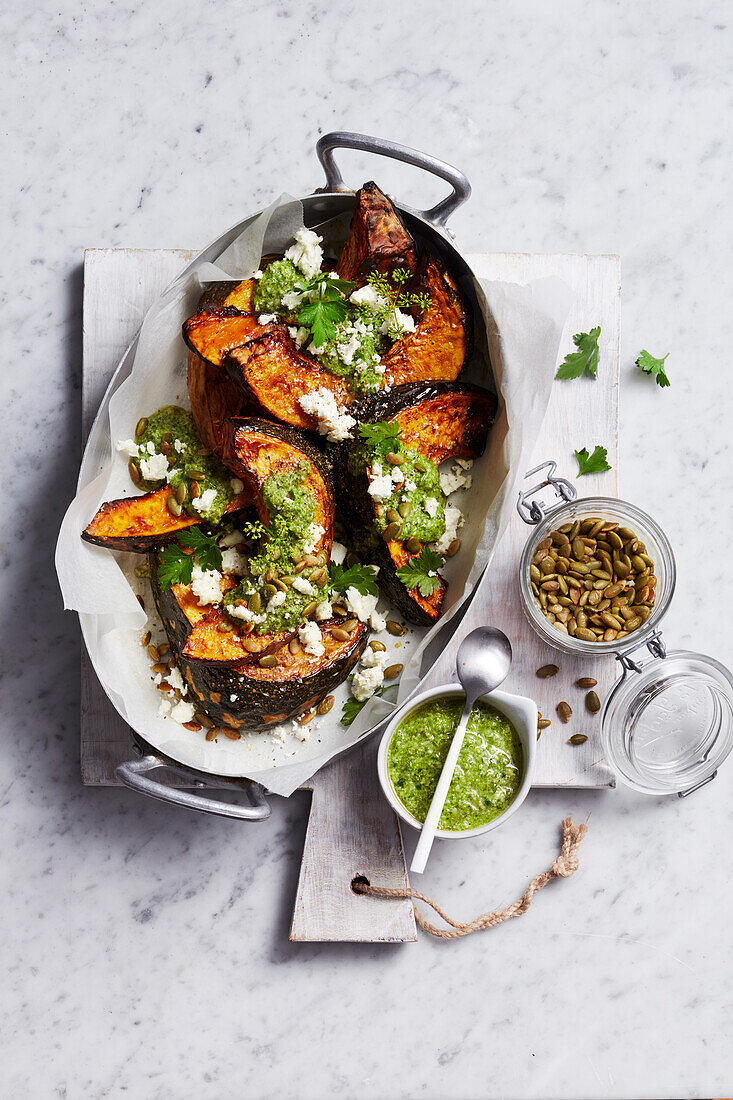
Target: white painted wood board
(349, 831)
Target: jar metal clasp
(534, 511)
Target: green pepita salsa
(278, 589)
(489, 770)
(170, 432)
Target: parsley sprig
(585, 359)
(353, 707)
(420, 572)
(655, 367)
(175, 566)
(383, 437)
(597, 463)
(327, 307)
(360, 577)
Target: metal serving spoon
(483, 662)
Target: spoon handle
(427, 833)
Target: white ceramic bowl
(521, 712)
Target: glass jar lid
(668, 723)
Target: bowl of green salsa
(494, 770)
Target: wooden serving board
(351, 833)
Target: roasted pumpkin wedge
(440, 421)
(273, 373)
(214, 398)
(256, 449)
(377, 241)
(215, 330)
(441, 343)
(141, 523)
(237, 295)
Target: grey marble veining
(145, 949)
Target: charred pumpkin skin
(239, 296)
(214, 331)
(441, 344)
(214, 398)
(139, 524)
(273, 373)
(441, 421)
(378, 240)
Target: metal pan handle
(133, 773)
(342, 139)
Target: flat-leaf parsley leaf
(353, 707)
(382, 437)
(175, 566)
(360, 577)
(420, 572)
(585, 359)
(650, 365)
(597, 463)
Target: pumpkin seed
(203, 720)
(338, 633)
(535, 574)
(326, 704)
(391, 672)
(391, 532)
(164, 687)
(453, 548)
(585, 634)
(269, 590)
(153, 651)
(395, 628)
(145, 640)
(378, 647)
(350, 624)
(224, 627)
(564, 711)
(319, 578)
(633, 623)
(173, 506)
(195, 490)
(577, 739)
(413, 545)
(586, 682)
(310, 609)
(211, 734)
(294, 646)
(233, 735)
(165, 449)
(543, 723)
(280, 584)
(250, 645)
(592, 702)
(339, 610)
(195, 474)
(194, 727)
(140, 426)
(393, 516)
(396, 459)
(306, 718)
(254, 603)
(546, 671)
(160, 668)
(404, 508)
(268, 661)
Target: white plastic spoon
(483, 662)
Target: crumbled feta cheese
(244, 613)
(306, 253)
(232, 539)
(372, 659)
(431, 506)
(361, 606)
(179, 446)
(154, 468)
(300, 335)
(150, 447)
(203, 502)
(369, 297)
(127, 447)
(233, 698)
(277, 733)
(310, 635)
(236, 484)
(206, 585)
(333, 421)
(292, 299)
(258, 274)
(324, 611)
(377, 468)
(397, 323)
(454, 479)
(267, 318)
(338, 552)
(183, 711)
(275, 601)
(377, 621)
(453, 521)
(165, 706)
(366, 682)
(465, 463)
(348, 348)
(397, 476)
(234, 561)
(381, 486)
(300, 584)
(409, 486)
(313, 538)
(175, 680)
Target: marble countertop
(144, 949)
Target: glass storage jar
(667, 724)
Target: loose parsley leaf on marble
(585, 359)
(650, 365)
(597, 463)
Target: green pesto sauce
(291, 508)
(278, 278)
(419, 472)
(487, 776)
(170, 424)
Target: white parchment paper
(524, 325)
